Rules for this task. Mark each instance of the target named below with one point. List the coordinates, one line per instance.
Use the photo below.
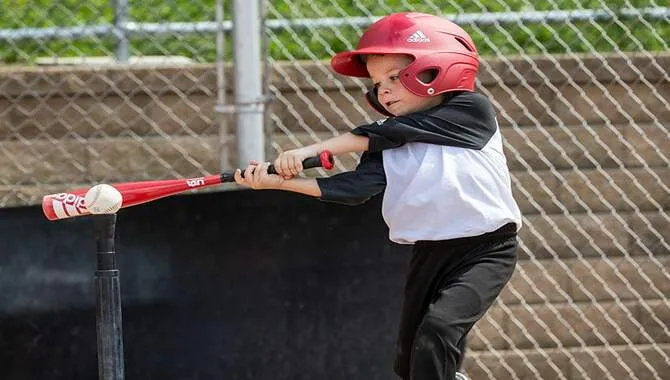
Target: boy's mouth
(390, 103)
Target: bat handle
(323, 160)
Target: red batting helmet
(436, 44)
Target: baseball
(103, 199)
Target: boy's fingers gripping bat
(71, 203)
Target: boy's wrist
(282, 185)
(311, 150)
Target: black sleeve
(466, 120)
(355, 187)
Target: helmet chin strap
(372, 98)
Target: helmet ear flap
(447, 74)
(373, 100)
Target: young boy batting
(438, 158)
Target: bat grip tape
(323, 160)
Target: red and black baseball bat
(71, 204)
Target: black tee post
(108, 300)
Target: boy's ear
(373, 100)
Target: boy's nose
(384, 90)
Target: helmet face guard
(436, 45)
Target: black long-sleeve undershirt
(357, 186)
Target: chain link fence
(582, 93)
(106, 91)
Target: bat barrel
(108, 301)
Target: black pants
(450, 286)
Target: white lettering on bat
(71, 199)
(195, 182)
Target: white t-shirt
(436, 192)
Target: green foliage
(295, 43)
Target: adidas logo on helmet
(418, 36)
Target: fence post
(120, 20)
(249, 99)
(224, 156)
(268, 126)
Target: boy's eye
(394, 77)
(376, 85)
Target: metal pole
(265, 51)
(183, 28)
(120, 21)
(224, 159)
(249, 99)
(108, 301)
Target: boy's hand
(288, 164)
(256, 177)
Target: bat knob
(326, 158)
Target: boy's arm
(256, 177)
(289, 164)
(344, 143)
(466, 120)
(354, 187)
(307, 186)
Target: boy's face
(384, 71)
